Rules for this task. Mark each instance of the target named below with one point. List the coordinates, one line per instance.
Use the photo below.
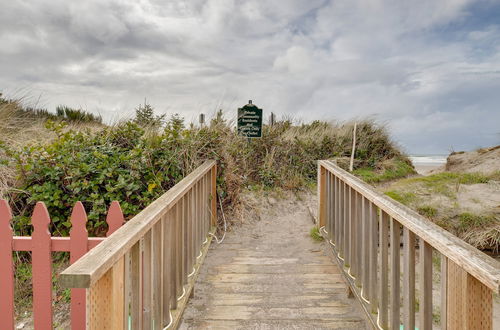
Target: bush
(117, 164)
(135, 167)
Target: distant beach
(424, 164)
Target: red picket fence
(41, 244)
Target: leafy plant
(315, 234)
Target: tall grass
(66, 157)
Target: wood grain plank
(136, 286)
(321, 195)
(425, 279)
(383, 287)
(373, 246)
(395, 275)
(408, 279)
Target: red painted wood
(7, 273)
(59, 244)
(41, 244)
(78, 247)
(93, 241)
(42, 268)
(114, 218)
(21, 243)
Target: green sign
(250, 121)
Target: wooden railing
(364, 228)
(142, 276)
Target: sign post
(250, 121)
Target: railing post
(214, 195)
(7, 277)
(322, 195)
(106, 300)
(470, 304)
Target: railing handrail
(476, 263)
(93, 265)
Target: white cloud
(422, 66)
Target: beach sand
(426, 169)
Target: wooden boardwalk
(271, 275)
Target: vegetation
(134, 162)
(441, 198)
(402, 197)
(63, 112)
(391, 169)
(75, 115)
(427, 211)
(315, 234)
(145, 117)
(468, 220)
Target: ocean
(428, 159)
(425, 164)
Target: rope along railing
(364, 228)
(143, 274)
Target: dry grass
(465, 204)
(19, 129)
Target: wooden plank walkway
(270, 274)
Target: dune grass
(437, 197)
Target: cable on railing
(182, 295)
(171, 321)
(192, 272)
(225, 223)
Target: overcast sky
(430, 69)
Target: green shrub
(315, 234)
(117, 164)
(135, 166)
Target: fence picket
(78, 247)
(42, 268)
(42, 244)
(7, 278)
(115, 218)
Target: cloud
(429, 69)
